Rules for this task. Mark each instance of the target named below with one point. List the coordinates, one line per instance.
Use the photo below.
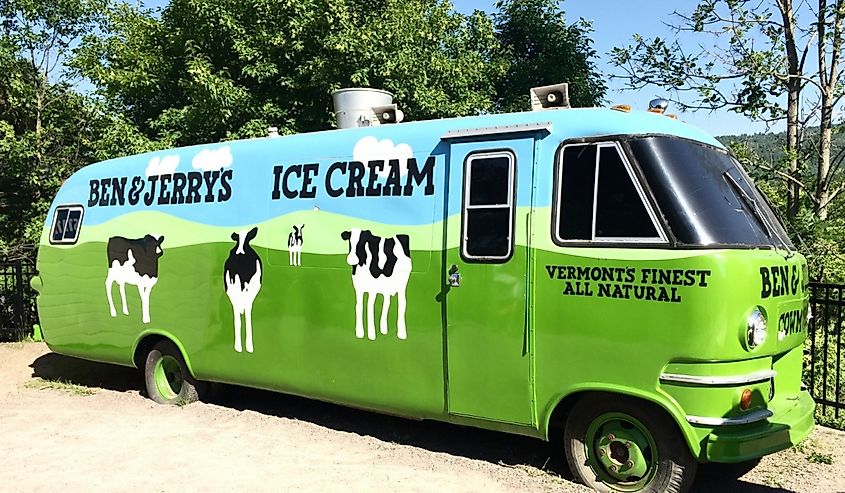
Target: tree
(758, 54)
(829, 38)
(205, 72)
(819, 240)
(541, 49)
(45, 127)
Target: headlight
(756, 329)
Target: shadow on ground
(720, 478)
(52, 366)
(496, 448)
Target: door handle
(454, 277)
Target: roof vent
(555, 96)
(364, 107)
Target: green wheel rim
(621, 451)
(168, 377)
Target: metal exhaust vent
(364, 107)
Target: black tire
(626, 437)
(167, 377)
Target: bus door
(485, 271)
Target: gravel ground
(73, 425)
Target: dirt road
(72, 425)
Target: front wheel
(167, 377)
(618, 443)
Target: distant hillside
(769, 146)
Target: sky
(614, 22)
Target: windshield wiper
(750, 202)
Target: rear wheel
(167, 376)
(617, 443)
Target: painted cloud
(162, 165)
(212, 159)
(372, 149)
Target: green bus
(607, 277)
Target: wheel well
(557, 420)
(143, 347)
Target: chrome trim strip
(498, 130)
(758, 415)
(760, 376)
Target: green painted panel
(590, 329)
(303, 326)
(616, 322)
(487, 327)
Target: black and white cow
(295, 245)
(242, 277)
(133, 262)
(379, 266)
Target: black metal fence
(17, 300)
(824, 361)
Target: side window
(66, 224)
(577, 192)
(599, 199)
(488, 206)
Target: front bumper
(791, 422)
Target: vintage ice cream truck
(609, 277)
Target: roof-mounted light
(658, 105)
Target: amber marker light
(745, 400)
(622, 107)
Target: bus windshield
(706, 195)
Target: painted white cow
(242, 277)
(133, 262)
(379, 266)
(295, 245)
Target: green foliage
(820, 458)
(207, 72)
(59, 385)
(821, 241)
(36, 162)
(823, 350)
(47, 129)
(541, 49)
(741, 67)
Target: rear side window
(488, 206)
(599, 198)
(67, 222)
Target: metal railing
(17, 301)
(824, 361)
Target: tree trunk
(828, 78)
(792, 128)
(793, 98)
(822, 188)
